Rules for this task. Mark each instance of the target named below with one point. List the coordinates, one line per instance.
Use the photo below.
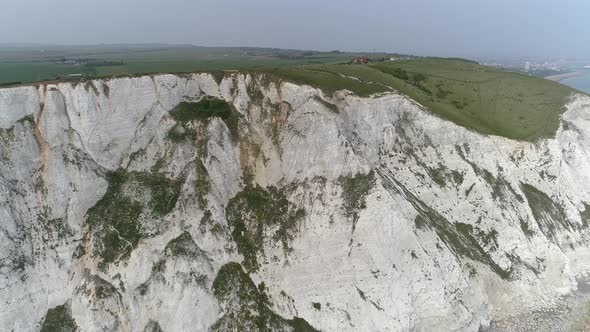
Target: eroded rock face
(298, 212)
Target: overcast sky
(425, 27)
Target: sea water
(581, 83)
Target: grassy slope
(484, 99)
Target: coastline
(563, 76)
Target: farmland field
(32, 64)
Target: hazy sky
(426, 27)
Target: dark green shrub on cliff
(247, 306)
(59, 319)
(252, 213)
(114, 222)
(204, 109)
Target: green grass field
(484, 99)
(487, 100)
(26, 65)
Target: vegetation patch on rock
(114, 221)
(255, 211)
(102, 288)
(245, 307)
(526, 229)
(502, 190)
(549, 215)
(59, 319)
(585, 215)
(500, 187)
(152, 326)
(184, 245)
(459, 238)
(204, 109)
(333, 108)
(354, 192)
(180, 133)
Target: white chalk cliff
(302, 211)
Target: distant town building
(527, 66)
(360, 60)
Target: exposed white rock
(455, 229)
(21, 101)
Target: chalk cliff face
(297, 212)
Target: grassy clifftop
(487, 100)
(484, 99)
